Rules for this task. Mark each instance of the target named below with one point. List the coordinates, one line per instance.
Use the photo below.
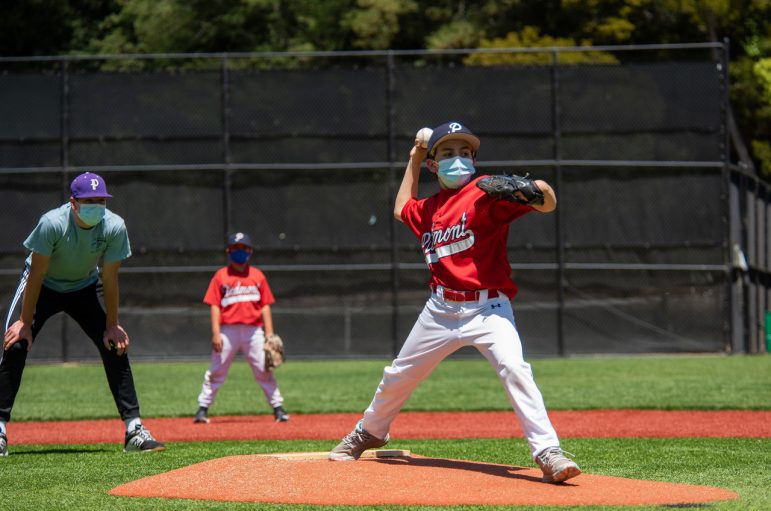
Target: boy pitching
(463, 231)
(239, 298)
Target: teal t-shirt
(75, 252)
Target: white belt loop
(483, 293)
(440, 292)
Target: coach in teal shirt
(61, 274)
(74, 251)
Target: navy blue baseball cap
(88, 185)
(449, 131)
(240, 238)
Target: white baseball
(424, 135)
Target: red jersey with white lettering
(239, 295)
(463, 234)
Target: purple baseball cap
(88, 185)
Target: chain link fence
(304, 151)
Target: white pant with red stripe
(250, 340)
(444, 327)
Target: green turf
(51, 392)
(79, 476)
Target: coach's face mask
(455, 172)
(239, 256)
(91, 214)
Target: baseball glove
(512, 188)
(274, 352)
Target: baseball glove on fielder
(506, 188)
(274, 352)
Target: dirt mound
(407, 480)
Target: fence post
(557, 154)
(64, 127)
(757, 270)
(764, 266)
(391, 148)
(732, 218)
(226, 154)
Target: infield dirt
(569, 424)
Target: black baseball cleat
(202, 415)
(3, 445)
(280, 414)
(140, 440)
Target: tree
(529, 37)
(375, 23)
(53, 27)
(760, 137)
(49, 27)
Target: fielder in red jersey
(463, 232)
(239, 298)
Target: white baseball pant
(444, 327)
(250, 340)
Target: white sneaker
(3, 445)
(355, 443)
(556, 467)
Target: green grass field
(78, 476)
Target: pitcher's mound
(400, 478)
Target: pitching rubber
(372, 453)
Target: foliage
(762, 70)
(751, 99)
(455, 34)
(761, 138)
(375, 23)
(43, 27)
(530, 37)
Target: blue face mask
(91, 214)
(455, 172)
(239, 256)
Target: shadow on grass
(65, 450)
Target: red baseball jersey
(463, 234)
(239, 295)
